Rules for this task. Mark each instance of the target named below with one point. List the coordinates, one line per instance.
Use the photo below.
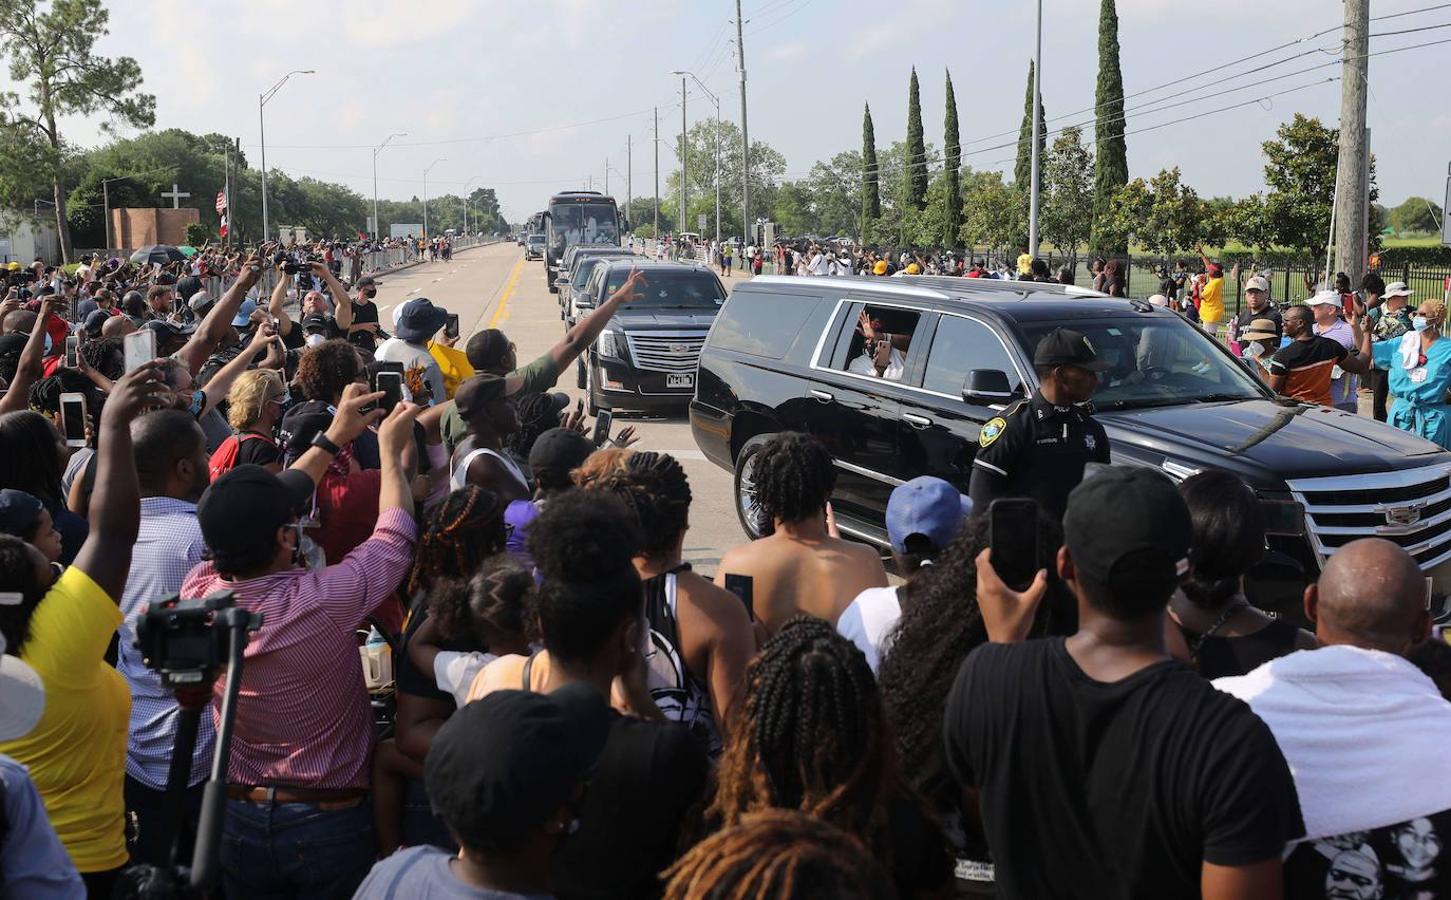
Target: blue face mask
(1420, 323)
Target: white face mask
(314, 339)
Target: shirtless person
(799, 568)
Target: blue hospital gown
(1420, 407)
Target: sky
(532, 96)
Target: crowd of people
(573, 711)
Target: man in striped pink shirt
(298, 822)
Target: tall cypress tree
(914, 167)
(952, 162)
(1023, 171)
(871, 178)
(1110, 160)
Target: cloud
(786, 52)
(868, 41)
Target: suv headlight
(607, 345)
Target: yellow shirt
(455, 366)
(1211, 302)
(77, 752)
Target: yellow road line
(501, 313)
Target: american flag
(221, 202)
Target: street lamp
(425, 193)
(716, 100)
(466, 201)
(375, 177)
(262, 132)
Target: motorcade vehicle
(534, 246)
(569, 275)
(578, 217)
(779, 358)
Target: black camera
(188, 641)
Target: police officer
(1039, 446)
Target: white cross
(176, 195)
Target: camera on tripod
(188, 641)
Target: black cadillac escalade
(785, 354)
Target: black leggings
(1380, 389)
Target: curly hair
(457, 536)
(496, 600)
(536, 416)
(601, 464)
(794, 477)
(654, 487)
(811, 736)
(249, 396)
(939, 627)
(30, 456)
(583, 544)
(325, 370)
(778, 854)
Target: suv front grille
(1411, 507)
(666, 351)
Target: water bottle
(377, 661)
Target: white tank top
(460, 474)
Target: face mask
(314, 339)
(1254, 351)
(1420, 323)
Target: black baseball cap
(559, 451)
(164, 328)
(1128, 523)
(502, 765)
(1066, 347)
(476, 393)
(96, 319)
(301, 425)
(317, 323)
(19, 512)
(246, 506)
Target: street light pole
(376, 150)
(467, 204)
(684, 152)
(425, 194)
(262, 99)
(716, 100)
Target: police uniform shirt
(1037, 450)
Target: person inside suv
(884, 353)
(800, 566)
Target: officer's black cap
(1066, 347)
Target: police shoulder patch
(992, 431)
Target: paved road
(494, 287)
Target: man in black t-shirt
(1104, 768)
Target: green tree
(792, 212)
(51, 53)
(1300, 173)
(992, 211)
(914, 171)
(951, 166)
(871, 178)
(767, 167)
(1162, 215)
(1417, 214)
(1023, 169)
(835, 189)
(641, 212)
(1067, 192)
(1111, 163)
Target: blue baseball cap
(927, 506)
(243, 318)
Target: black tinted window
(762, 324)
(960, 346)
(671, 289)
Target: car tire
(744, 493)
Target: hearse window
(880, 342)
(959, 346)
(762, 323)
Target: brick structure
(133, 228)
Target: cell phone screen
(602, 427)
(73, 418)
(72, 351)
(391, 384)
(139, 348)
(743, 586)
(450, 328)
(1013, 537)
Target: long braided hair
(794, 477)
(463, 531)
(654, 487)
(536, 415)
(778, 854)
(811, 736)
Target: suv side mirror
(987, 386)
(561, 281)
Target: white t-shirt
(867, 620)
(455, 670)
(896, 365)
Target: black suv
(785, 354)
(574, 273)
(645, 358)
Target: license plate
(680, 381)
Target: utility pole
(1352, 198)
(629, 177)
(607, 176)
(745, 134)
(1036, 181)
(684, 148)
(657, 174)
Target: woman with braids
(801, 566)
(701, 635)
(1224, 634)
(592, 624)
(456, 538)
(939, 626)
(811, 736)
(779, 854)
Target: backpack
(225, 457)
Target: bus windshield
(583, 223)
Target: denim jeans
(296, 850)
